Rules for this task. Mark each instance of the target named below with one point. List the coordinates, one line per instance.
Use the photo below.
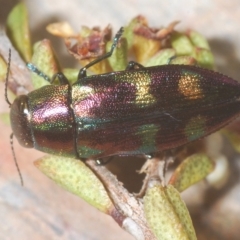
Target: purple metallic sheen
(131, 112)
(111, 108)
(52, 123)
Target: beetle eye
(20, 117)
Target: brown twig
(127, 204)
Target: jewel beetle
(141, 110)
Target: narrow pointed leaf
(77, 178)
(181, 43)
(71, 74)
(18, 31)
(118, 61)
(192, 170)
(161, 58)
(44, 59)
(204, 57)
(185, 60)
(167, 215)
(198, 40)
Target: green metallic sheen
(132, 112)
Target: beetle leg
(34, 69)
(61, 78)
(133, 65)
(83, 71)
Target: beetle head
(20, 121)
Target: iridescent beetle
(136, 111)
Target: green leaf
(71, 74)
(77, 178)
(18, 31)
(186, 60)
(118, 61)
(44, 59)
(167, 215)
(129, 31)
(204, 57)
(182, 44)
(161, 58)
(192, 170)
(198, 40)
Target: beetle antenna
(34, 69)
(82, 72)
(7, 100)
(7, 76)
(15, 159)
